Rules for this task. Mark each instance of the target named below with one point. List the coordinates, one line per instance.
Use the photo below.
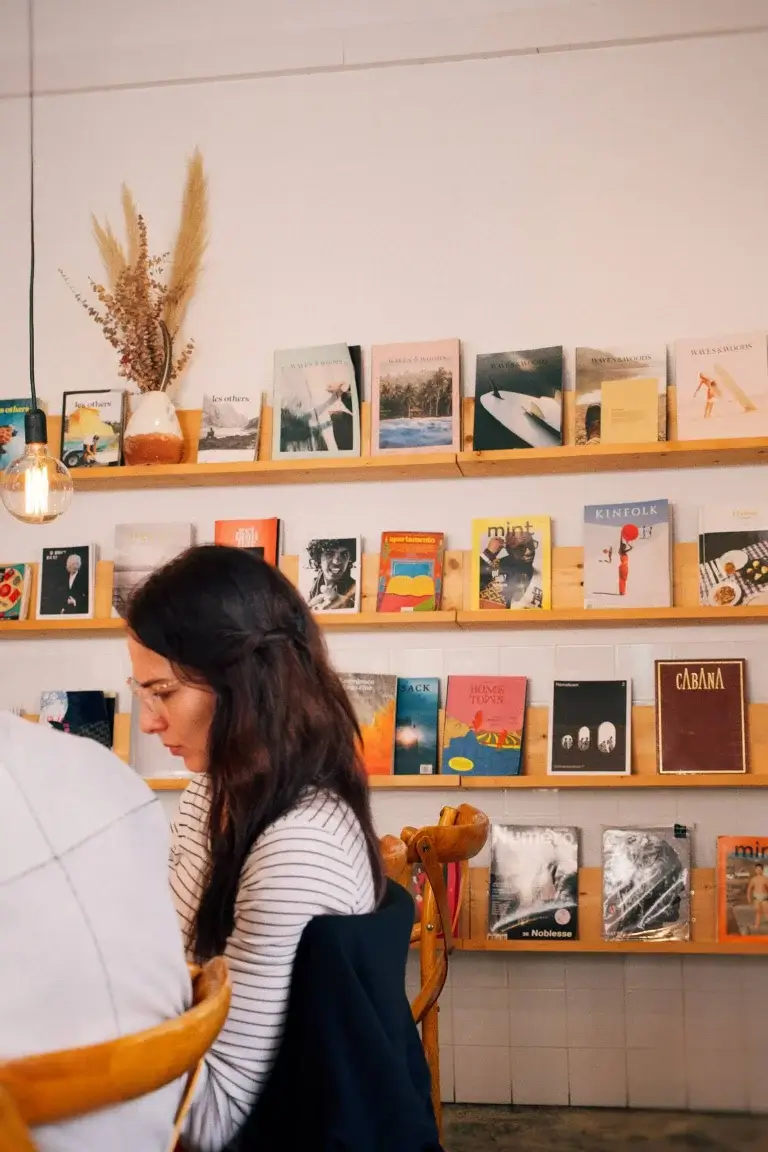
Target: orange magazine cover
(262, 537)
(410, 572)
(742, 888)
(372, 696)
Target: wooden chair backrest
(457, 837)
(58, 1086)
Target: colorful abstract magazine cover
(12, 441)
(92, 428)
(733, 555)
(316, 403)
(534, 886)
(484, 725)
(410, 572)
(139, 550)
(647, 883)
(742, 888)
(263, 538)
(416, 722)
(229, 428)
(518, 400)
(627, 551)
(329, 573)
(15, 584)
(65, 587)
(589, 727)
(511, 563)
(722, 387)
(372, 696)
(701, 716)
(415, 397)
(621, 395)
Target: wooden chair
(457, 837)
(59, 1086)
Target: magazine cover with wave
(534, 893)
(647, 883)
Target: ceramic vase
(153, 433)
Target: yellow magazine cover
(511, 563)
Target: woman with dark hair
(233, 676)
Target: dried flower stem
(137, 303)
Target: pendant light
(36, 488)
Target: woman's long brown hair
(282, 723)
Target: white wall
(577, 197)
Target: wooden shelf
(567, 599)
(611, 617)
(567, 459)
(570, 459)
(410, 783)
(697, 780)
(647, 947)
(321, 470)
(644, 771)
(474, 924)
(18, 629)
(413, 466)
(419, 621)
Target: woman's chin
(195, 764)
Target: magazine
(534, 886)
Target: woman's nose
(150, 722)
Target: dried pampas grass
(191, 243)
(110, 250)
(138, 298)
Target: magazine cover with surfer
(484, 724)
(627, 551)
(410, 572)
(741, 882)
(534, 885)
(629, 386)
(518, 400)
(511, 563)
(722, 387)
(316, 403)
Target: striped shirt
(312, 861)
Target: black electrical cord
(31, 48)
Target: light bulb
(36, 488)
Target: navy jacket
(350, 1075)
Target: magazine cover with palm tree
(415, 397)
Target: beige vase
(153, 433)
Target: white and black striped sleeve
(312, 861)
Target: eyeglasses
(154, 697)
